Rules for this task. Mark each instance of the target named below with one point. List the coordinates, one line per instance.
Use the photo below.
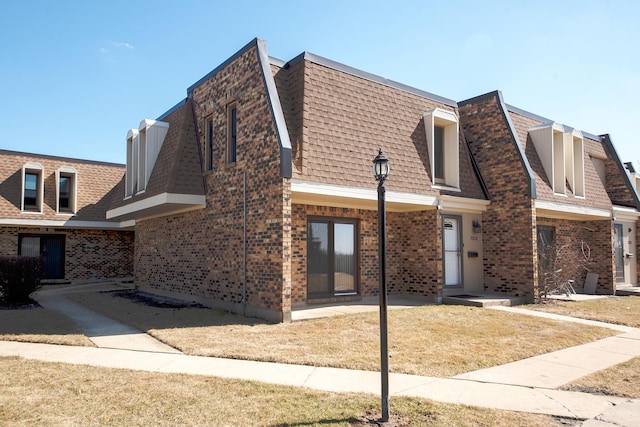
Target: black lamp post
(380, 173)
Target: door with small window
(331, 258)
(48, 246)
(452, 243)
(618, 246)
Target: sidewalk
(527, 386)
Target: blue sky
(76, 75)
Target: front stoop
(627, 290)
(482, 300)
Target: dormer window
(131, 175)
(32, 187)
(574, 161)
(66, 180)
(441, 127)
(143, 147)
(561, 151)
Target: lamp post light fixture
(380, 173)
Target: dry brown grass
(36, 324)
(51, 394)
(618, 310)
(620, 380)
(437, 341)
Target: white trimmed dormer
(143, 147)
(561, 151)
(441, 127)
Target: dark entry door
(50, 247)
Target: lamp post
(380, 173)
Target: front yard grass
(621, 380)
(54, 394)
(618, 310)
(438, 341)
(36, 324)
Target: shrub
(19, 277)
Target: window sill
(34, 212)
(445, 187)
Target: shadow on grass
(147, 311)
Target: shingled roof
(338, 116)
(175, 184)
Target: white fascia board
(362, 194)
(564, 209)
(626, 214)
(157, 200)
(99, 225)
(462, 204)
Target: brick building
(255, 193)
(55, 207)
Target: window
(66, 178)
(331, 258)
(32, 187)
(131, 175)
(143, 147)
(546, 254)
(232, 133)
(209, 143)
(561, 151)
(574, 161)
(438, 153)
(50, 247)
(441, 128)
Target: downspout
(244, 244)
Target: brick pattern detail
(212, 239)
(414, 242)
(89, 254)
(598, 235)
(509, 222)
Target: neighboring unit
(55, 207)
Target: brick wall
(598, 237)
(509, 222)
(201, 253)
(414, 261)
(89, 254)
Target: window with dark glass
(64, 191)
(331, 258)
(438, 149)
(209, 142)
(232, 130)
(30, 191)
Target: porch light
(380, 173)
(380, 167)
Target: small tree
(558, 264)
(19, 277)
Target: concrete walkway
(527, 386)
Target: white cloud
(124, 45)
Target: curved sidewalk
(528, 385)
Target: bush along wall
(19, 277)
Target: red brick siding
(89, 254)
(598, 235)
(414, 261)
(201, 252)
(509, 222)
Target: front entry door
(451, 238)
(48, 246)
(618, 246)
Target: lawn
(36, 324)
(439, 341)
(52, 394)
(618, 310)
